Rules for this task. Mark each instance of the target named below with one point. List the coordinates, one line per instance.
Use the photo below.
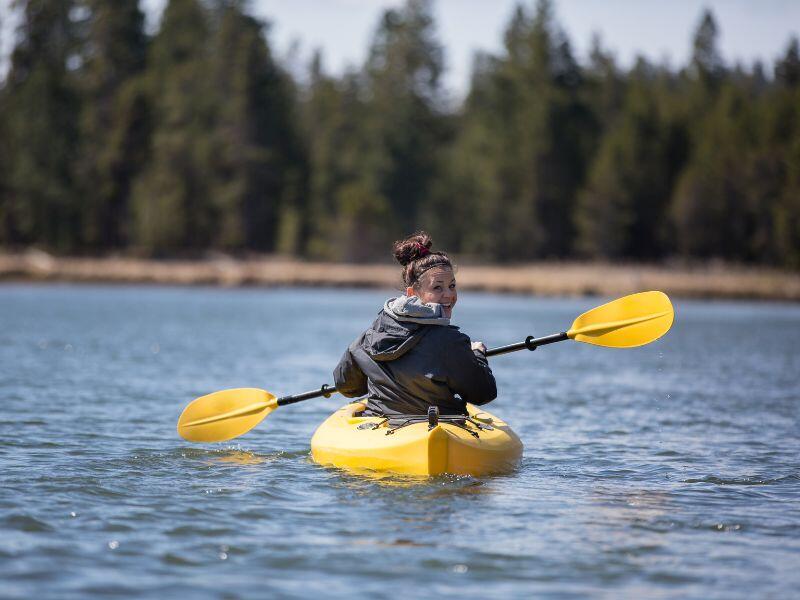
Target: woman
(411, 357)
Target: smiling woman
(411, 357)
(427, 275)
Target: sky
(661, 30)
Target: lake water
(668, 471)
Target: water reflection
(241, 457)
(626, 526)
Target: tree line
(197, 138)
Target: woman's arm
(348, 376)
(469, 374)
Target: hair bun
(412, 248)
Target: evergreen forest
(195, 138)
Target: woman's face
(437, 285)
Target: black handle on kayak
(530, 343)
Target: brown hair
(416, 257)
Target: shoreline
(542, 278)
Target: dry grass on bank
(548, 278)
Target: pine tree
(6, 222)
(467, 206)
(403, 124)
(114, 122)
(604, 85)
(171, 200)
(699, 93)
(706, 64)
(787, 70)
(544, 133)
(38, 104)
(783, 121)
(331, 119)
(259, 165)
(363, 213)
(710, 206)
(622, 211)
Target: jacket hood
(400, 326)
(412, 310)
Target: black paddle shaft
(531, 343)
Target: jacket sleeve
(469, 374)
(349, 378)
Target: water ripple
(753, 480)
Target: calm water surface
(671, 470)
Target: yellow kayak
(480, 444)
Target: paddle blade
(225, 415)
(627, 322)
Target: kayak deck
(479, 445)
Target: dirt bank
(547, 278)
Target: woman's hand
(479, 346)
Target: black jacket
(405, 367)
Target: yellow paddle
(627, 322)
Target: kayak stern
(480, 446)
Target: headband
(428, 268)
